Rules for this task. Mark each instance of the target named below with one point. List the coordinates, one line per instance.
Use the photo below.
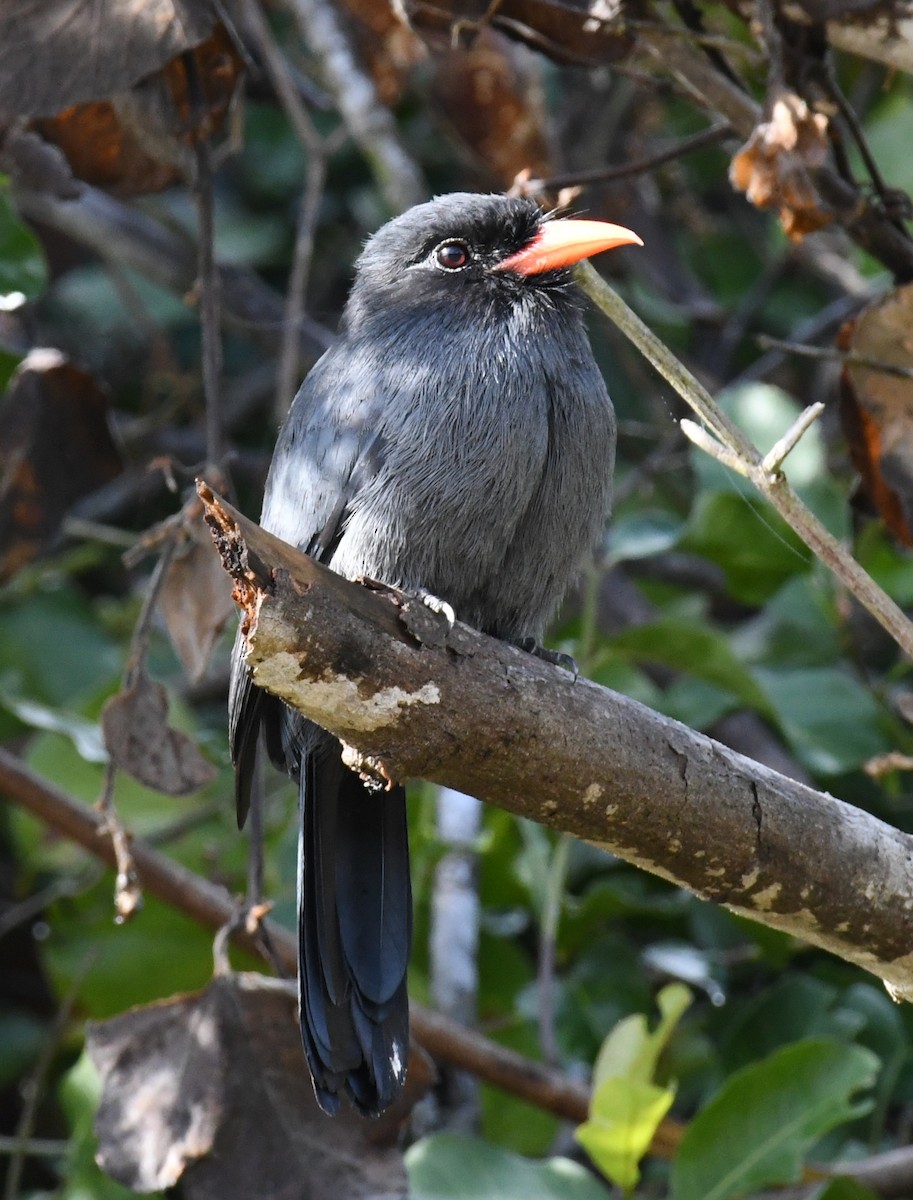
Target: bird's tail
(354, 932)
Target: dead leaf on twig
(142, 743)
(212, 1090)
(55, 447)
(877, 408)
(774, 167)
(137, 141)
(493, 100)
(62, 52)
(386, 44)
(196, 600)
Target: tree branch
(409, 699)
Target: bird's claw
(439, 606)
(556, 657)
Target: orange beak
(561, 243)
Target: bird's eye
(451, 256)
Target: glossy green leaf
(748, 539)
(448, 1167)
(627, 1106)
(757, 1130)
(830, 738)
(691, 646)
(629, 1113)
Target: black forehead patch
(500, 224)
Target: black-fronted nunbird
(457, 442)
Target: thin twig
(33, 1088)
(371, 124)
(280, 76)
(779, 451)
(548, 940)
(34, 1147)
(210, 306)
(739, 450)
(139, 642)
(849, 358)
(697, 141)
(289, 358)
(128, 896)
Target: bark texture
(410, 698)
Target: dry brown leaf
(142, 743)
(386, 44)
(773, 167)
(493, 100)
(877, 408)
(63, 52)
(196, 600)
(212, 1090)
(101, 151)
(136, 142)
(55, 447)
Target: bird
(456, 442)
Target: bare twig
(368, 120)
(280, 75)
(864, 221)
(775, 457)
(115, 230)
(33, 1088)
(849, 358)
(729, 445)
(210, 306)
(697, 141)
(289, 359)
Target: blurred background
(184, 191)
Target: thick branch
(411, 700)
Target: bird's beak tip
(561, 243)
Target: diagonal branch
(409, 699)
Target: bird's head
(467, 252)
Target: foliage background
(703, 604)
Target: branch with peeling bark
(408, 698)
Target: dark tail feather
(354, 933)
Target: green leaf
(629, 1114)
(690, 646)
(22, 265)
(8, 364)
(84, 734)
(448, 1167)
(643, 534)
(627, 1106)
(631, 1050)
(757, 1130)
(749, 540)
(830, 738)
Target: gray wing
(326, 452)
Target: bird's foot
(436, 605)
(556, 657)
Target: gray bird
(457, 442)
